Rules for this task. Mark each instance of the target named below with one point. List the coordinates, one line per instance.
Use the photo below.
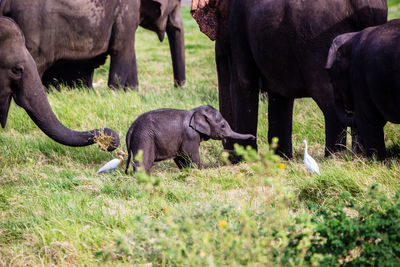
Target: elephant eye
(17, 70)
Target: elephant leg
(79, 77)
(280, 113)
(244, 88)
(177, 45)
(123, 71)
(191, 149)
(86, 74)
(86, 77)
(335, 134)
(69, 73)
(356, 143)
(224, 93)
(182, 162)
(148, 157)
(60, 73)
(245, 115)
(335, 129)
(372, 135)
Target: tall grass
(55, 208)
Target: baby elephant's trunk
(235, 135)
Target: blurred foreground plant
(214, 232)
(349, 233)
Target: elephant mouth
(4, 108)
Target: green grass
(393, 2)
(55, 208)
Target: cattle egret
(95, 84)
(310, 163)
(113, 164)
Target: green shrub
(349, 233)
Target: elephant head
(338, 66)
(19, 79)
(209, 122)
(154, 16)
(210, 14)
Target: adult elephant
(280, 47)
(19, 79)
(364, 67)
(69, 39)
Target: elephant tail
(128, 160)
(128, 147)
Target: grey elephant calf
(170, 133)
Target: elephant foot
(117, 86)
(287, 154)
(229, 147)
(234, 158)
(178, 83)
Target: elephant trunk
(4, 107)
(39, 109)
(235, 135)
(177, 46)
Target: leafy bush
(350, 233)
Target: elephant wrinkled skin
(280, 47)
(19, 80)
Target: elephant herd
(281, 47)
(341, 53)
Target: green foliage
(349, 233)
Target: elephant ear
(205, 14)
(151, 9)
(200, 123)
(340, 50)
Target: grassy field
(55, 208)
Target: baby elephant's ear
(199, 122)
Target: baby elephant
(170, 133)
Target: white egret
(113, 164)
(96, 84)
(310, 163)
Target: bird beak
(121, 153)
